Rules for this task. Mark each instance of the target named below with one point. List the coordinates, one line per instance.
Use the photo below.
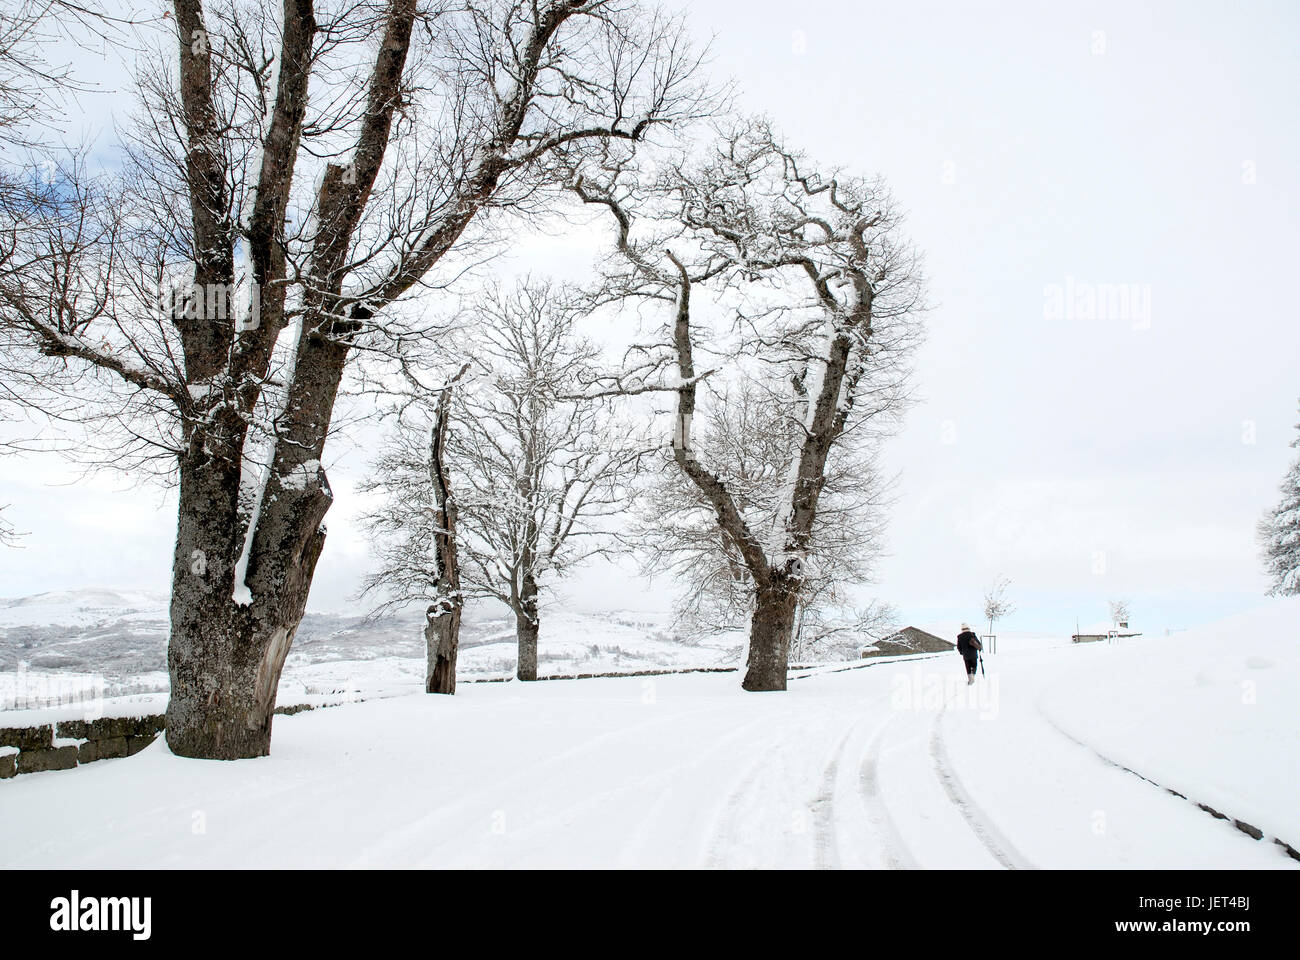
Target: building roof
(1105, 628)
(916, 633)
(910, 639)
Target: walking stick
(981, 656)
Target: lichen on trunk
(441, 633)
(771, 629)
(527, 627)
(225, 658)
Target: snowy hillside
(883, 764)
(82, 608)
(74, 638)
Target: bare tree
(442, 626)
(748, 434)
(414, 534)
(9, 536)
(996, 604)
(32, 88)
(1119, 612)
(824, 298)
(837, 632)
(536, 472)
(284, 233)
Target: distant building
(1105, 631)
(907, 640)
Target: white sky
(1044, 445)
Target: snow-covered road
(892, 765)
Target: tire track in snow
(723, 831)
(895, 851)
(850, 820)
(405, 837)
(993, 840)
(661, 779)
(1248, 829)
(642, 834)
(826, 854)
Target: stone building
(908, 640)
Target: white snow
(1209, 712)
(241, 593)
(301, 476)
(884, 764)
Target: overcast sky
(1052, 157)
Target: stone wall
(65, 743)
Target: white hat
(965, 626)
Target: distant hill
(122, 635)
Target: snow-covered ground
(890, 764)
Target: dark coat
(964, 646)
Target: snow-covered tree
(996, 604)
(770, 268)
(295, 173)
(837, 631)
(748, 435)
(414, 534)
(1279, 534)
(1119, 611)
(535, 472)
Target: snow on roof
(1104, 627)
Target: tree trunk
(526, 629)
(442, 627)
(441, 636)
(224, 659)
(769, 637)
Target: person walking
(969, 646)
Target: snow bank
(1210, 712)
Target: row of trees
(517, 470)
(795, 285)
(502, 477)
(293, 181)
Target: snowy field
(894, 764)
